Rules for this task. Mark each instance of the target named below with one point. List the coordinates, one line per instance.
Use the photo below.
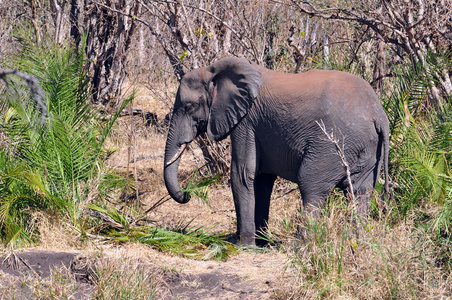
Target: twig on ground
(13, 260)
(286, 192)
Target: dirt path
(247, 275)
(244, 276)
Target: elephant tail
(384, 131)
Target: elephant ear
(233, 88)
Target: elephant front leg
(263, 186)
(243, 173)
(242, 183)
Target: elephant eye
(191, 107)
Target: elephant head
(212, 99)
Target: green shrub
(55, 163)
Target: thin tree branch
(341, 153)
(235, 33)
(174, 60)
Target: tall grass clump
(53, 163)
(123, 279)
(373, 259)
(88, 279)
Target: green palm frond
(200, 187)
(408, 100)
(441, 134)
(16, 233)
(421, 143)
(62, 160)
(22, 189)
(431, 172)
(195, 242)
(69, 150)
(114, 217)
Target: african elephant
(274, 121)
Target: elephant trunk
(171, 163)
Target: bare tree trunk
(227, 35)
(76, 20)
(435, 97)
(326, 50)
(58, 20)
(446, 82)
(298, 53)
(141, 51)
(110, 34)
(33, 20)
(304, 42)
(214, 154)
(379, 67)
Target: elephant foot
(262, 242)
(239, 241)
(303, 235)
(246, 240)
(231, 238)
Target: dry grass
(121, 278)
(7, 287)
(54, 234)
(124, 279)
(369, 260)
(60, 285)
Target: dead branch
(409, 25)
(341, 153)
(173, 58)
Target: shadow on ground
(18, 271)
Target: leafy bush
(421, 147)
(55, 165)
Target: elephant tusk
(178, 154)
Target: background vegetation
(63, 69)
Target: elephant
(274, 120)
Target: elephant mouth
(202, 127)
(178, 154)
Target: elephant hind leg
(313, 201)
(365, 180)
(362, 190)
(263, 186)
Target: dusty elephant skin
(273, 119)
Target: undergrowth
(342, 256)
(109, 279)
(194, 242)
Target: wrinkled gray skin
(271, 118)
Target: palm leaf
(61, 159)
